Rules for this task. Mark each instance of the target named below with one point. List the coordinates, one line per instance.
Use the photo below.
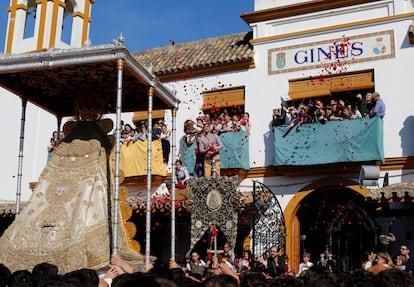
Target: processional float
(105, 78)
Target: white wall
(38, 130)
(393, 79)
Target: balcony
(234, 154)
(336, 141)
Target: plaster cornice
(299, 9)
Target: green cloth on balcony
(336, 141)
(188, 156)
(235, 153)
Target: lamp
(368, 176)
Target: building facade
(300, 53)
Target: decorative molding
(180, 75)
(330, 28)
(298, 9)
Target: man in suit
(405, 250)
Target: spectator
(229, 256)
(336, 113)
(52, 145)
(127, 129)
(228, 251)
(43, 272)
(190, 132)
(359, 278)
(319, 113)
(302, 118)
(199, 164)
(365, 105)
(384, 262)
(21, 278)
(141, 133)
(196, 266)
(236, 122)
(156, 131)
(227, 123)
(400, 262)
(5, 274)
(218, 125)
(181, 175)
(371, 260)
(405, 250)
(199, 124)
(346, 114)
(165, 143)
(394, 278)
(210, 145)
(306, 264)
(274, 265)
(290, 114)
(245, 123)
(245, 262)
(278, 118)
(379, 106)
(221, 280)
(355, 113)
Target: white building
(299, 51)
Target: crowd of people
(222, 270)
(322, 111)
(160, 132)
(204, 133)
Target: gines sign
(360, 48)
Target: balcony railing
(234, 154)
(133, 159)
(336, 141)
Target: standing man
(379, 106)
(210, 145)
(196, 266)
(405, 250)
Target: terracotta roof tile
(200, 54)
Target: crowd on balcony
(160, 132)
(329, 109)
(204, 134)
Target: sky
(150, 24)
